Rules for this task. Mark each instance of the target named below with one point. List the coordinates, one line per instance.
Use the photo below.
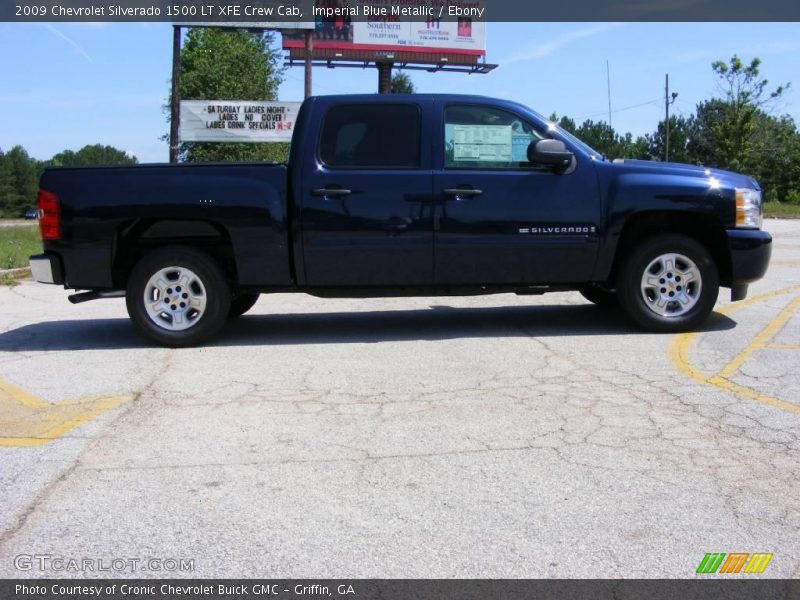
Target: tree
(564, 123)
(638, 148)
(737, 131)
(603, 138)
(745, 94)
(703, 146)
(19, 182)
(227, 64)
(402, 84)
(775, 159)
(93, 155)
(600, 136)
(681, 130)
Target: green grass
(17, 244)
(782, 210)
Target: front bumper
(46, 268)
(750, 251)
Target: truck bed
(102, 207)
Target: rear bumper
(46, 268)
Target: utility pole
(175, 104)
(309, 43)
(667, 101)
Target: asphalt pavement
(496, 436)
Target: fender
(666, 201)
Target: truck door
(501, 220)
(366, 213)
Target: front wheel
(668, 284)
(600, 296)
(178, 296)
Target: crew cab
(403, 195)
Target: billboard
(338, 30)
(237, 121)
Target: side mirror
(550, 152)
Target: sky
(66, 85)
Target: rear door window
(371, 136)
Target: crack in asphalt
(47, 491)
(550, 402)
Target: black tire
(631, 276)
(241, 304)
(600, 296)
(207, 284)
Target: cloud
(547, 47)
(78, 48)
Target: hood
(726, 178)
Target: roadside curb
(16, 273)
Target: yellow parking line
(735, 388)
(26, 420)
(782, 346)
(10, 390)
(679, 351)
(762, 338)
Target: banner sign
(237, 121)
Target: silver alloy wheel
(175, 298)
(671, 285)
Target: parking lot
(496, 436)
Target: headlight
(748, 208)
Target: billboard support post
(175, 104)
(385, 77)
(309, 43)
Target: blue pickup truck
(403, 195)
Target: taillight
(49, 215)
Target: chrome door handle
(331, 192)
(463, 192)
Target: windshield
(581, 144)
(554, 127)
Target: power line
(319, 85)
(608, 81)
(616, 110)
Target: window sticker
(482, 143)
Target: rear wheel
(178, 296)
(668, 283)
(241, 304)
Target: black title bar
(285, 13)
(745, 588)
